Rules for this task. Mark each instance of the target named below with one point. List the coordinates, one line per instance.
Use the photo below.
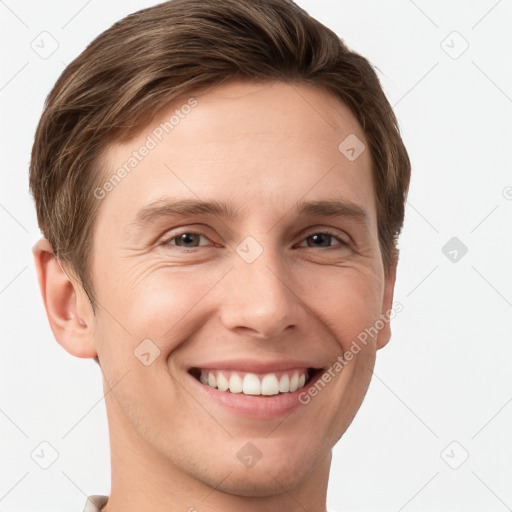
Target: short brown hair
(146, 60)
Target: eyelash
(342, 243)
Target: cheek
(347, 300)
(165, 304)
(157, 302)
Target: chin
(270, 476)
(260, 483)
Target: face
(234, 263)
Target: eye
(323, 239)
(192, 239)
(186, 240)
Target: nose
(258, 298)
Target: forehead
(253, 145)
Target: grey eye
(187, 240)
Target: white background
(446, 374)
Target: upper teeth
(253, 384)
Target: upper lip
(255, 366)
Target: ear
(387, 303)
(68, 309)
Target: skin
(261, 148)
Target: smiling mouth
(255, 384)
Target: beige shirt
(95, 503)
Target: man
(220, 186)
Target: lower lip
(257, 407)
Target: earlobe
(71, 324)
(387, 304)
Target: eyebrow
(332, 208)
(167, 207)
